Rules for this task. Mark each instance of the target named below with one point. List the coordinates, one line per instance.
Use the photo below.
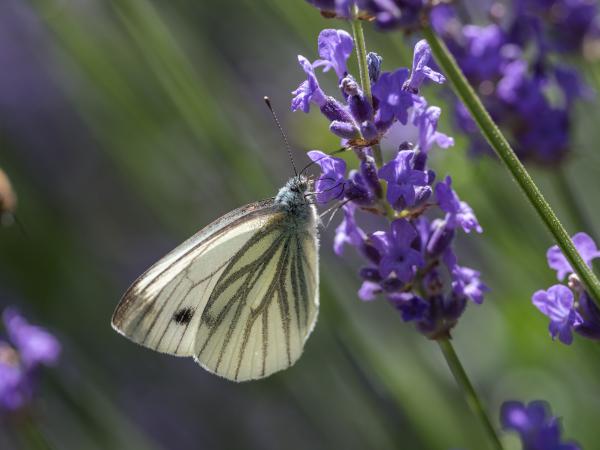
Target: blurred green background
(127, 125)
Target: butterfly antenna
(287, 144)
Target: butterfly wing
(264, 305)
(162, 308)
(241, 296)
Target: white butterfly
(241, 296)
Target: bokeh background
(127, 125)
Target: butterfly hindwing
(263, 307)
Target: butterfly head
(293, 196)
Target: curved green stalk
(471, 396)
(488, 128)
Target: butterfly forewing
(162, 309)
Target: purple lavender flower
(459, 212)
(570, 308)
(15, 390)
(309, 91)
(586, 247)
(403, 181)
(394, 101)
(33, 347)
(332, 181)
(369, 290)
(557, 303)
(536, 426)
(335, 47)
(397, 255)
(347, 231)
(467, 283)
(404, 261)
(420, 70)
(426, 118)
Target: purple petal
(335, 47)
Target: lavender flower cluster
(569, 307)
(516, 63)
(30, 348)
(536, 427)
(410, 260)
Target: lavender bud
(374, 64)
(420, 161)
(334, 110)
(346, 130)
(368, 130)
(440, 239)
(360, 107)
(369, 173)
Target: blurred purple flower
(33, 347)
(341, 8)
(397, 255)
(557, 303)
(536, 426)
(586, 247)
(392, 14)
(335, 47)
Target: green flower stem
(469, 392)
(488, 128)
(363, 71)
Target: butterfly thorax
(293, 199)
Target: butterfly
(241, 296)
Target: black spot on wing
(183, 316)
